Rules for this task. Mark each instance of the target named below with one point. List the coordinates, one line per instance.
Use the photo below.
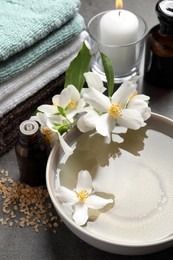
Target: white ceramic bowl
(158, 125)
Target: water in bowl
(138, 173)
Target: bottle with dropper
(31, 153)
(159, 48)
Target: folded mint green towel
(28, 57)
(24, 22)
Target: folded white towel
(18, 89)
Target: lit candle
(118, 28)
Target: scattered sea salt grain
(25, 206)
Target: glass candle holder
(126, 58)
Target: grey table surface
(17, 243)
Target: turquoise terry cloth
(24, 22)
(28, 57)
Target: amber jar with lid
(159, 48)
(31, 153)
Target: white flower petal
(87, 122)
(40, 118)
(80, 105)
(136, 104)
(84, 182)
(50, 125)
(131, 119)
(97, 100)
(66, 148)
(55, 100)
(91, 118)
(94, 81)
(65, 98)
(75, 95)
(105, 124)
(107, 139)
(123, 93)
(141, 107)
(141, 97)
(80, 215)
(82, 126)
(96, 202)
(117, 139)
(119, 130)
(146, 113)
(68, 208)
(57, 180)
(66, 196)
(48, 109)
(56, 119)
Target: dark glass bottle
(31, 153)
(159, 48)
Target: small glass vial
(31, 153)
(159, 48)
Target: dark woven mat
(9, 123)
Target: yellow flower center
(115, 110)
(72, 104)
(82, 195)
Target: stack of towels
(38, 40)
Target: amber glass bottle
(31, 153)
(159, 48)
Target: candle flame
(119, 4)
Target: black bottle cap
(164, 10)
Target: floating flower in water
(78, 201)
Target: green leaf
(61, 128)
(80, 65)
(62, 111)
(108, 69)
